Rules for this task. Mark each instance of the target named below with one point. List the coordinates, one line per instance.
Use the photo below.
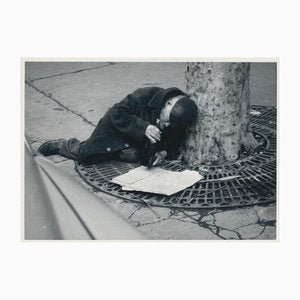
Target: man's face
(164, 117)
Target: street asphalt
(66, 99)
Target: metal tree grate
(256, 183)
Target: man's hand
(160, 156)
(152, 133)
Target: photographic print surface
(88, 122)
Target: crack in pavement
(213, 228)
(133, 212)
(73, 72)
(140, 206)
(211, 225)
(218, 228)
(263, 223)
(49, 96)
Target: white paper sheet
(157, 180)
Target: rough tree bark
(221, 92)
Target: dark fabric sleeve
(126, 115)
(171, 143)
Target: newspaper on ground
(157, 180)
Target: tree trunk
(221, 92)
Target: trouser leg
(70, 148)
(76, 150)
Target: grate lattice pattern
(256, 183)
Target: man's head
(178, 112)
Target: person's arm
(159, 157)
(125, 116)
(169, 147)
(155, 153)
(171, 142)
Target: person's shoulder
(145, 93)
(149, 89)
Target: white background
(149, 270)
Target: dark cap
(183, 113)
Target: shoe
(51, 147)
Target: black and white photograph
(150, 150)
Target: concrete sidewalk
(68, 99)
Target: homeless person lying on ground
(148, 116)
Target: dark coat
(124, 124)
